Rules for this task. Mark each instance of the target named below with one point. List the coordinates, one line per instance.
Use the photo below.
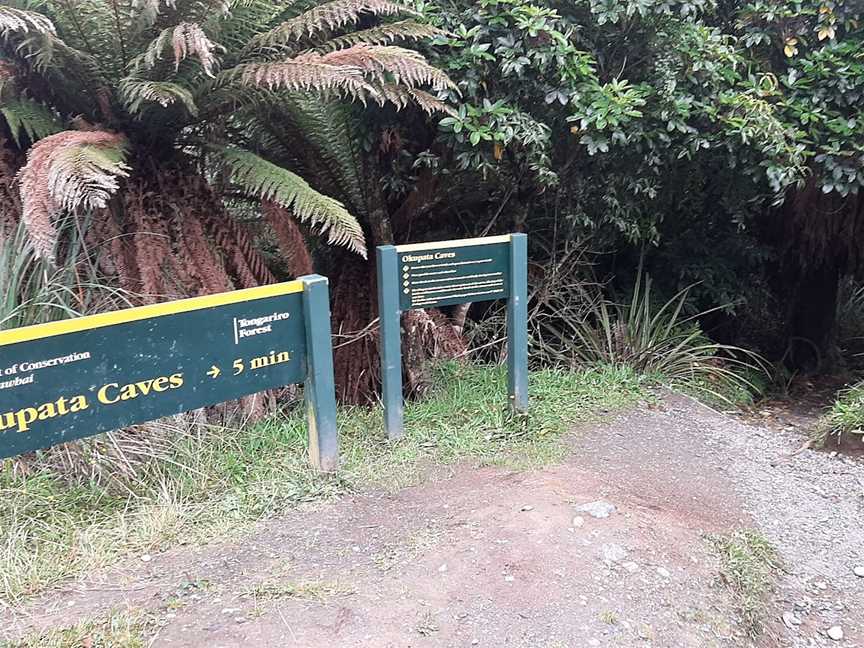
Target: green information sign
(455, 274)
(75, 378)
(430, 275)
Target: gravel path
(607, 549)
(811, 506)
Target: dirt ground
(484, 557)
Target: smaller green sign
(431, 275)
(74, 378)
(439, 274)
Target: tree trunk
(812, 344)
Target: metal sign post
(430, 275)
(75, 378)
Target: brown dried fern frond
(186, 40)
(303, 75)
(245, 260)
(292, 244)
(385, 62)
(69, 171)
(402, 97)
(328, 16)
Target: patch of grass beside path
(117, 630)
(748, 564)
(212, 482)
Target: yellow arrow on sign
(214, 372)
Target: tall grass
(844, 418)
(34, 291)
(657, 338)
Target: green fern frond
(136, 93)
(26, 117)
(265, 180)
(326, 17)
(236, 28)
(403, 30)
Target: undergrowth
(209, 482)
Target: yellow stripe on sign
(51, 329)
(419, 247)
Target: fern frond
(386, 34)
(328, 16)
(147, 12)
(70, 170)
(402, 97)
(14, 20)
(184, 40)
(381, 62)
(135, 93)
(236, 28)
(267, 181)
(30, 118)
(304, 73)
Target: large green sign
(74, 378)
(430, 275)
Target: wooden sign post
(430, 275)
(75, 378)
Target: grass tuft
(845, 417)
(207, 482)
(747, 566)
(117, 630)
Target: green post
(517, 324)
(389, 283)
(320, 384)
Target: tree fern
(267, 181)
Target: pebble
(613, 553)
(598, 509)
(578, 522)
(526, 508)
(664, 573)
(146, 558)
(835, 633)
(630, 566)
(859, 571)
(442, 568)
(791, 620)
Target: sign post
(75, 378)
(431, 275)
